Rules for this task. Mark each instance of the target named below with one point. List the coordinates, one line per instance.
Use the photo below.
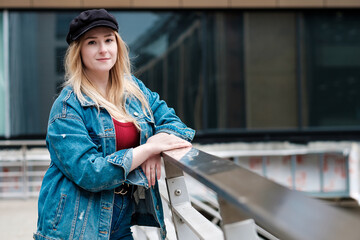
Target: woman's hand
(148, 155)
(152, 168)
(157, 144)
(163, 142)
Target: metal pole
(235, 224)
(6, 73)
(188, 222)
(24, 171)
(204, 70)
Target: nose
(102, 48)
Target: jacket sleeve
(165, 118)
(75, 154)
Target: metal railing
(322, 173)
(249, 206)
(22, 168)
(244, 198)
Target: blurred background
(273, 72)
(246, 74)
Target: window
(332, 60)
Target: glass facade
(220, 70)
(33, 75)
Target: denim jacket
(77, 194)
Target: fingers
(178, 144)
(152, 169)
(158, 171)
(168, 138)
(164, 142)
(152, 175)
(146, 169)
(147, 173)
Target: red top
(127, 135)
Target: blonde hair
(121, 86)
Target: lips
(103, 59)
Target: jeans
(122, 211)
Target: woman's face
(99, 50)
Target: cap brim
(100, 23)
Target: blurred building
(235, 69)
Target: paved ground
(17, 219)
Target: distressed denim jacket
(77, 194)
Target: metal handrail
(26, 168)
(285, 213)
(277, 152)
(8, 143)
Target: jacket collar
(88, 103)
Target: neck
(100, 81)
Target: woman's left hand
(152, 168)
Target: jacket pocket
(59, 211)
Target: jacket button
(146, 135)
(136, 114)
(157, 207)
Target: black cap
(88, 20)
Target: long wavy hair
(121, 86)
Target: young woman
(105, 135)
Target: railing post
(189, 223)
(236, 225)
(25, 178)
(178, 195)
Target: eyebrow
(107, 35)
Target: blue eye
(91, 43)
(109, 40)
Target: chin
(105, 69)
